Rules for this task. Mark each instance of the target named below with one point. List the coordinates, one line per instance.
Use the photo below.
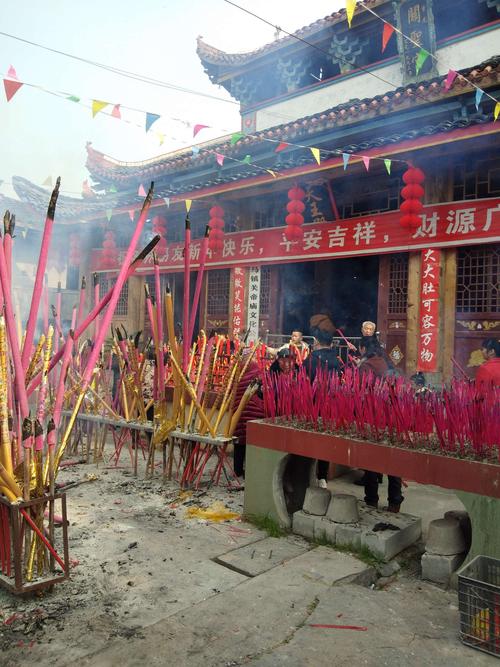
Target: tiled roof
(302, 130)
(214, 56)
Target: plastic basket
(479, 604)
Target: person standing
(298, 346)
(323, 357)
(488, 374)
(373, 361)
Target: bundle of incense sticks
(34, 376)
(461, 419)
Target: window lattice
(105, 284)
(218, 293)
(478, 280)
(398, 284)
(265, 290)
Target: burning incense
(199, 282)
(38, 287)
(186, 341)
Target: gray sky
(42, 135)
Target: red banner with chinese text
(443, 225)
(238, 314)
(429, 310)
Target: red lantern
(160, 229)
(216, 224)
(294, 220)
(412, 193)
(109, 255)
(74, 258)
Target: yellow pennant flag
(161, 137)
(496, 111)
(315, 152)
(270, 171)
(98, 105)
(350, 6)
(188, 203)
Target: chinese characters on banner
(238, 318)
(442, 226)
(414, 19)
(429, 311)
(253, 304)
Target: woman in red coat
(488, 374)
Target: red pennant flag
(116, 113)
(386, 35)
(366, 162)
(281, 146)
(12, 84)
(197, 128)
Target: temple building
(332, 120)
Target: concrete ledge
(438, 568)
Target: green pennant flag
(247, 159)
(112, 188)
(73, 98)
(422, 56)
(388, 165)
(109, 214)
(236, 137)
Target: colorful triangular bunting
(496, 110)
(281, 146)
(161, 137)
(141, 191)
(167, 201)
(11, 84)
(350, 6)
(247, 159)
(236, 137)
(188, 203)
(197, 128)
(131, 214)
(109, 213)
(73, 98)
(219, 158)
(150, 119)
(479, 95)
(366, 162)
(345, 158)
(48, 182)
(422, 56)
(270, 171)
(388, 163)
(386, 35)
(316, 154)
(452, 75)
(98, 105)
(11, 73)
(112, 188)
(116, 113)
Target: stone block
(439, 568)
(465, 524)
(388, 543)
(316, 501)
(343, 508)
(324, 529)
(303, 524)
(445, 537)
(348, 535)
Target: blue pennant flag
(346, 157)
(150, 119)
(479, 94)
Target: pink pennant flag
(11, 84)
(219, 158)
(116, 111)
(131, 214)
(366, 162)
(452, 75)
(141, 191)
(197, 128)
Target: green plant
(268, 524)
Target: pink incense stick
(96, 301)
(81, 301)
(40, 272)
(59, 332)
(159, 328)
(186, 341)
(10, 323)
(95, 311)
(45, 304)
(199, 282)
(68, 349)
(120, 281)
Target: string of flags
(422, 55)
